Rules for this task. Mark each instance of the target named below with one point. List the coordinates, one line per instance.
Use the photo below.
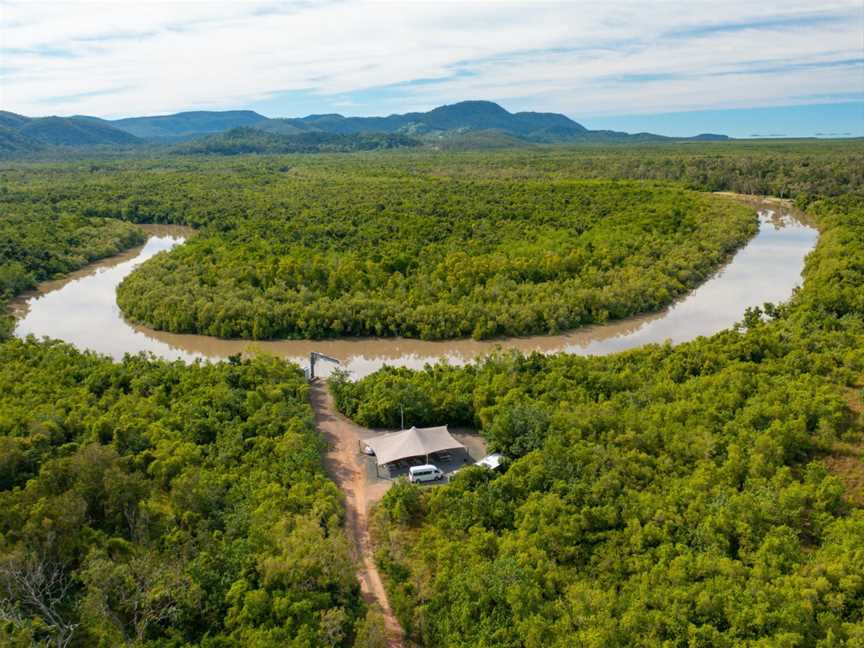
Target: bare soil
(343, 464)
(846, 460)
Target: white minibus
(424, 474)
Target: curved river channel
(82, 309)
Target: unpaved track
(344, 467)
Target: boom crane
(313, 358)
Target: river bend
(82, 309)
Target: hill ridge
(475, 123)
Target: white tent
(416, 442)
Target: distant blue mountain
(449, 122)
(188, 124)
(467, 124)
(463, 117)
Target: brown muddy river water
(82, 309)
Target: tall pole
(402, 416)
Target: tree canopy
(707, 494)
(432, 259)
(689, 495)
(153, 503)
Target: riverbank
(82, 310)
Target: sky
(678, 67)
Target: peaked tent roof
(411, 443)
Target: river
(82, 309)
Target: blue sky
(677, 67)
(819, 120)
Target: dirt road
(344, 467)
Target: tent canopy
(411, 443)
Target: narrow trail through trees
(343, 466)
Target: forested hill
(239, 141)
(20, 133)
(471, 117)
(188, 124)
(465, 116)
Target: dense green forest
(434, 259)
(38, 243)
(665, 496)
(240, 141)
(703, 495)
(218, 193)
(428, 245)
(154, 503)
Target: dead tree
(34, 586)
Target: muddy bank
(82, 309)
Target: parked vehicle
(425, 473)
(492, 461)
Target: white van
(424, 474)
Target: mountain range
(467, 123)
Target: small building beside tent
(492, 461)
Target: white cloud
(130, 58)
